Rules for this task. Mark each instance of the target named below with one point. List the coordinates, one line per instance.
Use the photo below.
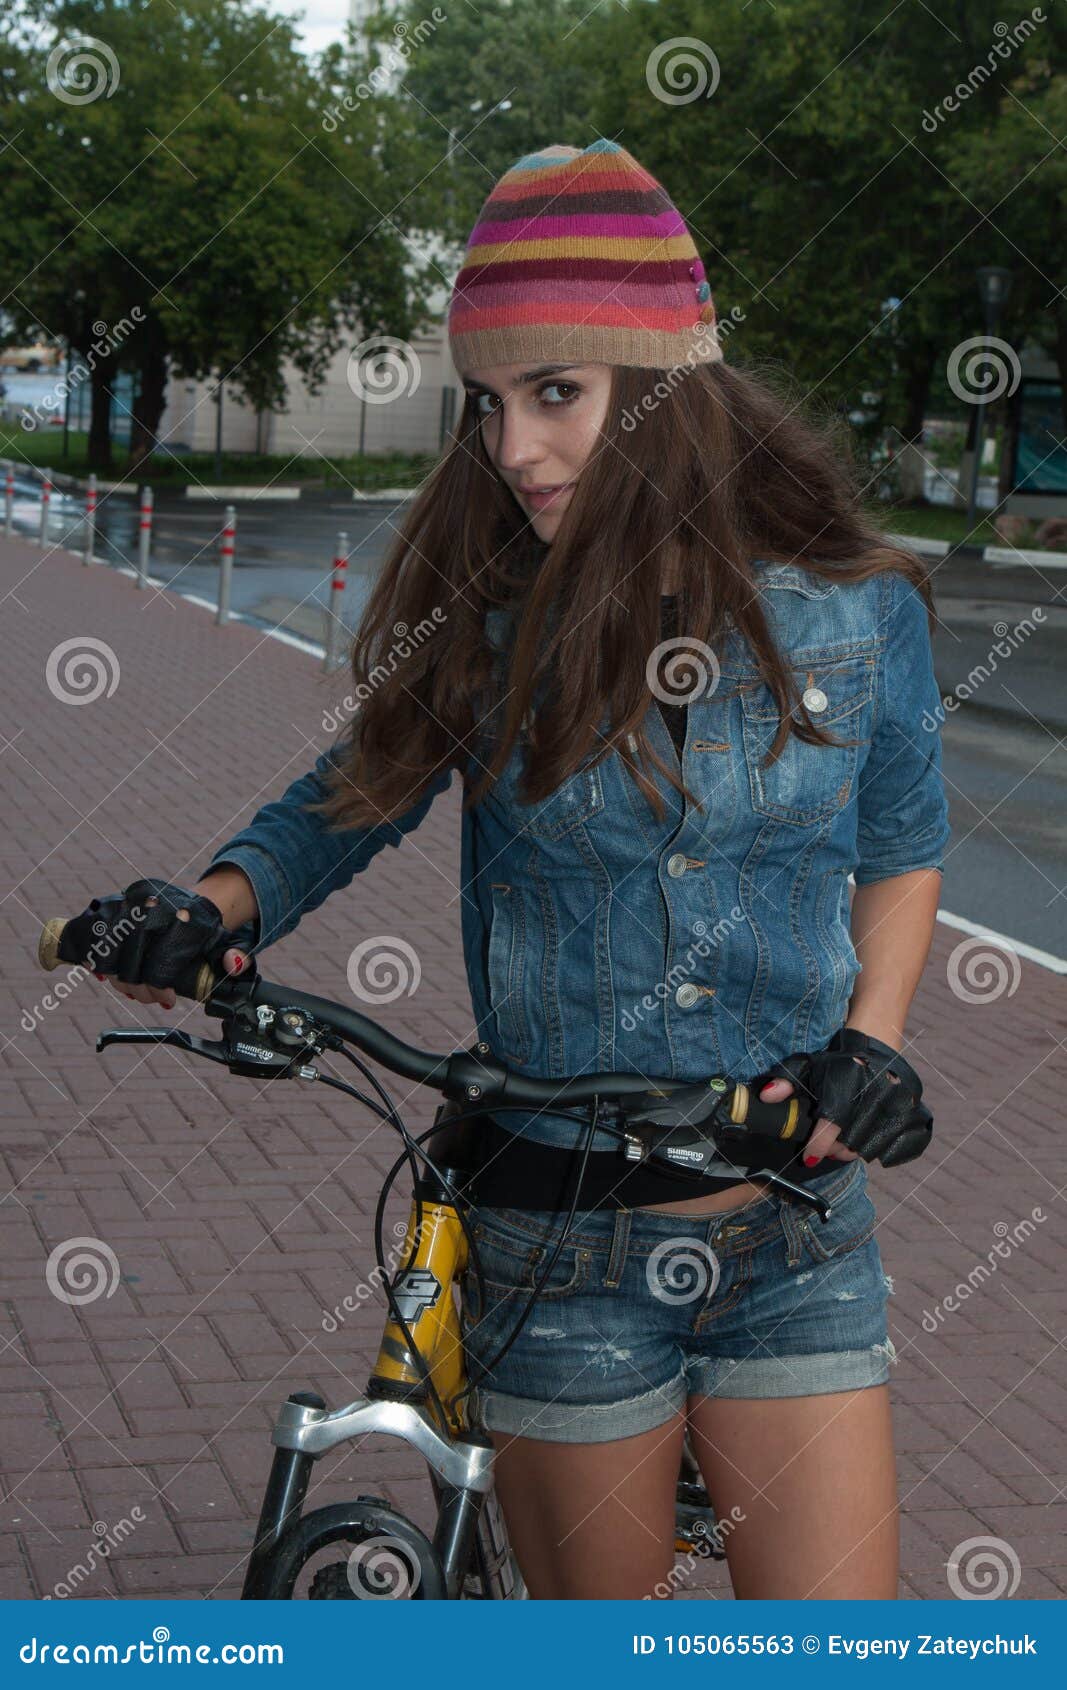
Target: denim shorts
(642, 1311)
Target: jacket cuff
(273, 894)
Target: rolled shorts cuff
(791, 1376)
(576, 1422)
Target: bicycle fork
(469, 1553)
(461, 1473)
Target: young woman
(658, 839)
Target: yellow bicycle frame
(436, 1255)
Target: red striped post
(227, 546)
(144, 536)
(46, 501)
(90, 520)
(334, 622)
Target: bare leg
(814, 1483)
(591, 1521)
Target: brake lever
(215, 1050)
(691, 1152)
(242, 1056)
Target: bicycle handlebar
(470, 1074)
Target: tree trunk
(149, 405)
(100, 421)
(911, 461)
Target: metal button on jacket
(677, 865)
(686, 996)
(816, 700)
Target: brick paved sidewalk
(238, 1220)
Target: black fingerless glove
(868, 1090)
(145, 944)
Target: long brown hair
(701, 472)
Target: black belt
(512, 1172)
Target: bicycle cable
(390, 1116)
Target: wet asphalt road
(1005, 747)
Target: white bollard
(226, 549)
(144, 538)
(334, 623)
(9, 496)
(90, 520)
(46, 501)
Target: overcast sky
(323, 20)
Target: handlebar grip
(783, 1121)
(50, 957)
(48, 944)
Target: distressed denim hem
(791, 1376)
(576, 1422)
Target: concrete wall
(334, 420)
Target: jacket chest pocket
(576, 801)
(809, 783)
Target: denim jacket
(718, 939)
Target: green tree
(201, 185)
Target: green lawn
(938, 522)
(44, 449)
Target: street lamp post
(994, 287)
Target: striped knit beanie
(581, 256)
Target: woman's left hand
(825, 1136)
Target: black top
(675, 715)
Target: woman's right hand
(149, 942)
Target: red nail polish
(812, 1161)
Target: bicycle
(419, 1384)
